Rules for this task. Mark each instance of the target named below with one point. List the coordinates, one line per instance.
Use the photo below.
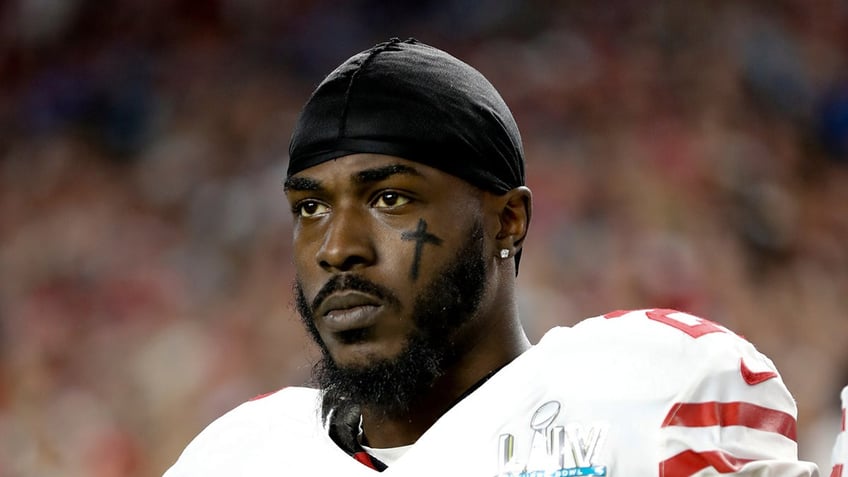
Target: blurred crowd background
(690, 155)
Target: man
(406, 182)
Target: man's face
(392, 385)
(388, 253)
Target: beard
(391, 386)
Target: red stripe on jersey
(724, 414)
(837, 471)
(616, 313)
(752, 378)
(365, 459)
(260, 396)
(688, 462)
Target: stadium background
(691, 155)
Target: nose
(348, 242)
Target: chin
(363, 355)
(385, 375)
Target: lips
(348, 310)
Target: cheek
(394, 254)
(300, 250)
(307, 270)
(416, 251)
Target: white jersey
(840, 450)
(640, 393)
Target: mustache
(353, 283)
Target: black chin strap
(343, 428)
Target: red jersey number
(692, 325)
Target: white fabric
(840, 449)
(388, 455)
(642, 393)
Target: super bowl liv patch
(552, 450)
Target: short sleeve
(735, 415)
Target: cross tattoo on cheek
(420, 236)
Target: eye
(389, 199)
(310, 208)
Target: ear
(516, 207)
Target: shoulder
(653, 324)
(669, 352)
(290, 405)
(703, 377)
(289, 413)
(655, 332)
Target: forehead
(365, 169)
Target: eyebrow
(378, 174)
(366, 176)
(302, 184)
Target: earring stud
(504, 253)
